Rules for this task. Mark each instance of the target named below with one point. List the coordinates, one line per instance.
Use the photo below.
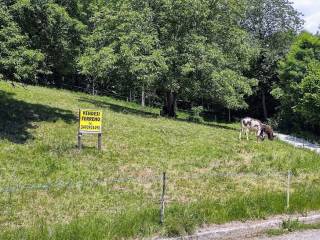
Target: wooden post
(99, 141)
(79, 140)
(162, 201)
(288, 189)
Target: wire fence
(106, 181)
(73, 184)
(171, 188)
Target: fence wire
(138, 180)
(178, 189)
(75, 184)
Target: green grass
(38, 128)
(292, 226)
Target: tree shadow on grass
(122, 109)
(118, 108)
(214, 124)
(18, 117)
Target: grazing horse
(252, 125)
(269, 131)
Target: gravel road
(299, 142)
(305, 235)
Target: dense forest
(248, 57)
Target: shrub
(195, 114)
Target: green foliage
(126, 34)
(273, 24)
(201, 51)
(18, 61)
(173, 46)
(309, 104)
(298, 89)
(230, 89)
(52, 31)
(195, 114)
(290, 225)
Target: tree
(309, 104)
(201, 39)
(298, 88)
(18, 61)
(176, 47)
(52, 31)
(274, 24)
(125, 33)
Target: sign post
(90, 122)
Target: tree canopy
(298, 89)
(18, 61)
(214, 53)
(274, 24)
(181, 48)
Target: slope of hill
(50, 190)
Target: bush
(274, 122)
(195, 114)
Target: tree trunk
(229, 111)
(130, 96)
(264, 106)
(93, 86)
(143, 97)
(149, 100)
(170, 106)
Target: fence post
(99, 141)
(288, 189)
(162, 201)
(79, 140)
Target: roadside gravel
(245, 230)
(305, 235)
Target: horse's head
(269, 131)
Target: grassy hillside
(50, 190)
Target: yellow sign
(90, 121)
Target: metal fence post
(288, 189)
(162, 201)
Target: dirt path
(305, 235)
(299, 142)
(244, 230)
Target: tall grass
(180, 219)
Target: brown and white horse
(251, 125)
(254, 125)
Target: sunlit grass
(212, 176)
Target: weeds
(292, 226)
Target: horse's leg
(247, 133)
(259, 132)
(240, 134)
